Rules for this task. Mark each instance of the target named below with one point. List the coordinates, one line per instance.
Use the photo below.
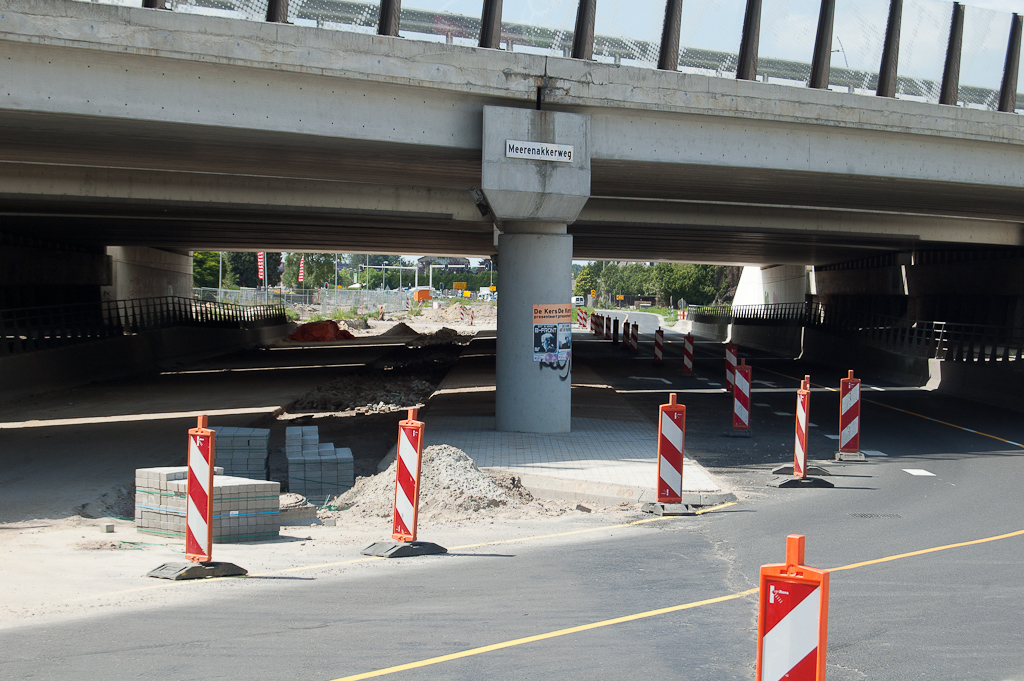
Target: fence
(327, 301)
(40, 328)
(945, 341)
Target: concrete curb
(608, 494)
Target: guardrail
(41, 328)
(944, 341)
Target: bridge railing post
(490, 24)
(821, 63)
(583, 38)
(1008, 91)
(951, 73)
(746, 67)
(668, 56)
(887, 72)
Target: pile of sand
(451, 488)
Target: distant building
(458, 264)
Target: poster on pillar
(552, 332)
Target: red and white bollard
(472, 316)
(199, 510)
(671, 445)
(407, 478)
(607, 328)
(849, 420)
(803, 411)
(741, 400)
(581, 317)
(625, 334)
(199, 514)
(659, 346)
(792, 619)
(408, 467)
(688, 355)
(730, 365)
(634, 338)
(801, 472)
(380, 312)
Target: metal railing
(41, 328)
(944, 341)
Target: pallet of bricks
(317, 470)
(243, 451)
(243, 510)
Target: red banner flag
(260, 266)
(302, 268)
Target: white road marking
(874, 452)
(783, 413)
(812, 425)
(831, 437)
(761, 404)
(918, 471)
(651, 378)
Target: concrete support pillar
(668, 59)
(951, 73)
(887, 72)
(536, 268)
(536, 180)
(746, 68)
(490, 25)
(821, 62)
(1008, 92)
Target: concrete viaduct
(133, 127)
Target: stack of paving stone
(242, 451)
(316, 470)
(243, 509)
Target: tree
(586, 281)
(318, 270)
(241, 269)
(205, 269)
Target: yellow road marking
(541, 637)
(904, 411)
(922, 552)
(643, 615)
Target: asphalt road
(951, 613)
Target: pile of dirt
(118, 502)
(451, 488)
(441, 336)
(366, 395)
(399, 329)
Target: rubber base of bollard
(789, 483)
(788, 470)
(850, 456)
(738, 433)
(659, 508)
(399, 549)
(179, 571)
